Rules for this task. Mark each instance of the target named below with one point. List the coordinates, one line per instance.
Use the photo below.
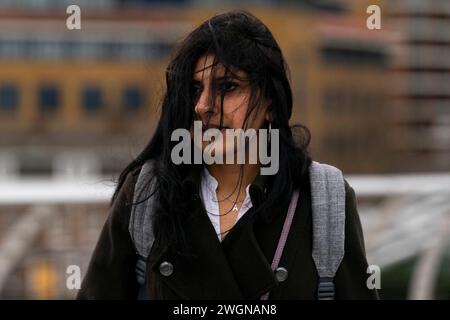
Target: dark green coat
(236, 268)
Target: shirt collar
(210, 181)
(258, 189)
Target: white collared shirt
(208, 187)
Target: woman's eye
(229, 86)
(196, 90)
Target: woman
(216, 226)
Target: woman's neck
(228, 176)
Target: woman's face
(237, 94)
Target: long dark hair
(238, 40)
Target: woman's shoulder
(126, 191)
(121, 205)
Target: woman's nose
(204, 104)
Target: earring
(270, 132)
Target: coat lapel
(247, 261)
(234, 269)
(208, 275)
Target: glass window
(132, 99)
(353, 56)
(11, 48)
(49, 99)
(92, 99)
(9, 98)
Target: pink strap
(283, 237)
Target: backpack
(328, 218)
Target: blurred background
(77, 105)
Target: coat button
(166, 268)
(281, 274)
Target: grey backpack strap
(328, 210)
(141, 222)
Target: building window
(49, 99)
(158, 49)
(9, 98)
(353, 56)
(11, 48)
(92, 99)
(132, 99)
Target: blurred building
(79, 102)
(74, 105)
(421, 69)
(82, 103)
